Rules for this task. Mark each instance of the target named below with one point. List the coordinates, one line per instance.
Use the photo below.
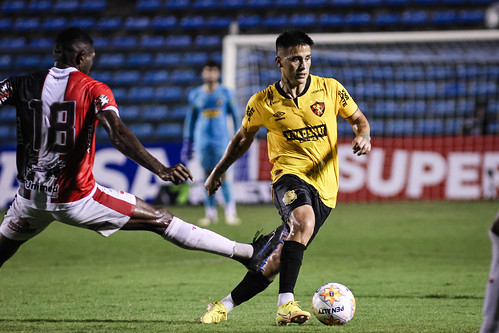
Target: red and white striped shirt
(56, 120)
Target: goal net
(431, 99)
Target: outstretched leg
(192, 237)
(183, 234)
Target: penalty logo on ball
(333, 304)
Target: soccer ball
(333, 304)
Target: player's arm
(188, 134)
(128, 144)
(361, 145)
(238, 145)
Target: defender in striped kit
(57, 112)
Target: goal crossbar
(232, 42)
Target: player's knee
(301, 230)
(302, 221)
(163, 215)
(306, 226)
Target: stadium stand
(150, 53)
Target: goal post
(231, 43)
(431, 98)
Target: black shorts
(290, 192)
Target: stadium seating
(93, 5)
(64, 6)
(167, 131)
(27, 24)
(164, 22)
(5, 61)
(155, 113)
(135, 23)
(115, 60)
(124, 42)
(7, 132)
(150, 52)
(177, 4)
(52, 24)
(125, 78)
(41, 6)
(109, 23)
(142, 130)
(129, 112)
(27, 62)
(15, 6)
(205, 4)
(148, 5)
(84, 23)
(232, 4)
(156, 77)
(139, 59)
(8, 116)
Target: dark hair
(69, 36)
(67, 39)
(291, 38)
(211, 63)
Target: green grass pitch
(412, 266)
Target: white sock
(211, 213)
(230, 209)
(491, 302)
(284, 298)
(243, 251)
(192, 237)
(228, 303)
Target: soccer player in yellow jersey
(299, 112)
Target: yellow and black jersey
(302, 132)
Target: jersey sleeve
(104, 99)
(345, 103)
(6, 92)
(191, 116)
(252, 120)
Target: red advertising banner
(436, 168)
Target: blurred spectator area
(150, 51)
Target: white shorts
(105, 211)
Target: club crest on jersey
(289, 197)
(318, 108)
(5, 90)
(101, 102)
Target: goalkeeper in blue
(206, 132)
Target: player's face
(210, 74)
(295, 64)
